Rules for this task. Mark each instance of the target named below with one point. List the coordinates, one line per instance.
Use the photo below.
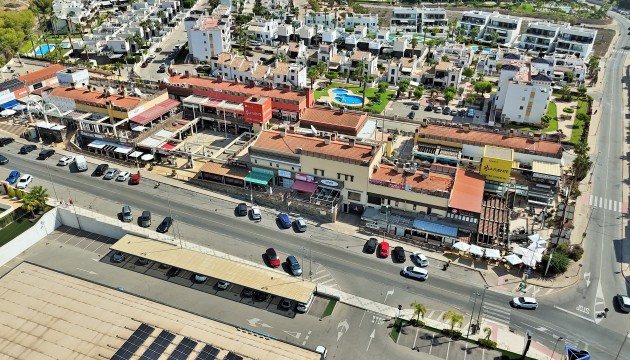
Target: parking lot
(84, 240)
(442, 346)
(402, 109)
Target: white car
(525, 303)
(415, 272)
(256, 215)
(420, 259)
(24, 181)
(123, 176)
(223, 284)
(65, 160)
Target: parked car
(45, 154)
(470, 113)
(174, 271)
(300, 224)
(3, 160)
(370, 245)
(260, 296)
(6, 141)
(411, 115)
(118, 257)
(135, 179)
(145, 218)
(248, 292)
(522, 302)
(415, 273)
(429, 108)
(286, 304)
(454, 112)
(165, 225)
(13, 177)
(383, 249)
(461, 112)
(80, 163)
(200, 278)
(446, 111)
(24, 181)
(127, 216)
(437, 109)
(415, 107)
(398, 254)
(623, 302)
(284, 220)
(144, 64)
(256, 214)
(272, 257)
(158, 50)
(420, 259)
(123, 176)
(241, 209)
(65, 160)
(294, 265)
(100, 170)
(110, 174)
(25, 149)
(222, 285)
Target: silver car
(522, 302)
(110, 174)
(126, 213)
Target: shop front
(259, 178)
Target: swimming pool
(44, 49)
(342, 96)
(484, 50)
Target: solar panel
(209, 352)
(132, 344)
(183, 349)
(232, 356)
(157, 347)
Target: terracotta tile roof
(443, 66)
(281, 69)
(96, 97)
(225, 57)
(214, 85)
(348, 123)
(361, 55)
(294, 46)
(209, 23)
(261, 71)
(467, 193)
(224, 170)
(274, 141)
(245, 65)
(433, 182)
(335, 59)
(40, 75)
(480, 138)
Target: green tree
(11, 192)
(453, 318)
(366, 80)
(488, 332)
(29, 203)
(482, 87)
(382, 87)
(449, 94)
(474, 32)
(582, 90)
(494, 36)
(359, 72)
(581, 148)
(403, 85)
(414, 44)
(40, 194)
(418, 92)
(312, 74)
(468, 73)
(321, 68)
(565, 92)
(569, 77)
(331, 75)
(559, 262)
(418, 310)
(581, 166)
(593, 64)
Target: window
(520, 107)
(270, 163)
(338, 176)
(354, 196)
(414, 207)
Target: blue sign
(575, 354)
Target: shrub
(19, 193)
(582, 117)
(487, 343)
(11, 192)
(455, 334)
(568, 110)
(576, 253)
(559, 262)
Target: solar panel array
(158, 346)
(232, 356)
(209, 352)
(11, 85)
(134, 342)
(183, 349)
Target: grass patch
(370, 94)
(329, 308)
(14, 229)
(578, 125)
(552, 111)
(395, 333)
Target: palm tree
(488, 332)
(493, 37)
(312, 74)
(414, 44)
(453, 318)
(474, 32)
(40, 194)
(418, 310)
(29, 203)
(365, 81)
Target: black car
(260, 296)
(398, 254)
(429, 108)
(165, 224)
(45, 154)
(415, 107)
(446, 111)
(370, 246)
(174, 271)
(6, 141)
(3, 160)
(412, 115)
(25, 149)
(248, 292)
(100, 170)
(241, 209)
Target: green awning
(259, 178)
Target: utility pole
(554, 347)
(485, 287)
(476, 295)
(622, 344)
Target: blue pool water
(484, 50)
(44, 49)
(343, 97)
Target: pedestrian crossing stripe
(607, 204)
(497, 313)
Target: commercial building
(415, 20)
(67, 77)
(558, 38)
(333, 121)
(209, 36)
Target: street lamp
(386, 221)
(483, 296)
(251, 191)
(554, 347)
(622, 344)
(476, 295)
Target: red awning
(155, 112)
(304, 186)
(168, 146)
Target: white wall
(44, 226)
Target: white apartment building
(263, 30)
(370, 21)
(506, 26)
(557, 66)
(576, 41)
(233, 67)
(285, 31)
(413, 20)
(474, 19)
(404, 69)
(368, 59)
(208, 37)
(458, 54)
(321, 20)
(76, 10)
(522, 95)
(540, 37)
(293, 75)
(306, 34)
(442, 75)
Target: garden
(376, 98)
(33, 205)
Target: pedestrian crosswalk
(496, 313)
(607, 204)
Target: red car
(144, 64)
(135, 179)
(383, 249)
(273, 258)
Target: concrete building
(208, 37)
(321, 20)
(405, 69)
(558, 38)
(458, 54)
(67, 77)
(367, 58)
(540, 37)
(522, 95)
(505, 26)
(263, 30)
(474, 19)
(442, 75)
(370, 21)
(289, 75)
(414, 20)
(286, 33)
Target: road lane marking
(590, 200)
(601, 202)
(574, 314)
(610, 204)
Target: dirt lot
(13, 5)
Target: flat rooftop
(49, 315)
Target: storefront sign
(545, 176)
(304, 177)
(496, 169)
(37, 86)
(463, 212)
(372, 225)
(284, 174)
(330, 183)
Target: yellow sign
(496, 169)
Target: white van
(81, 163)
